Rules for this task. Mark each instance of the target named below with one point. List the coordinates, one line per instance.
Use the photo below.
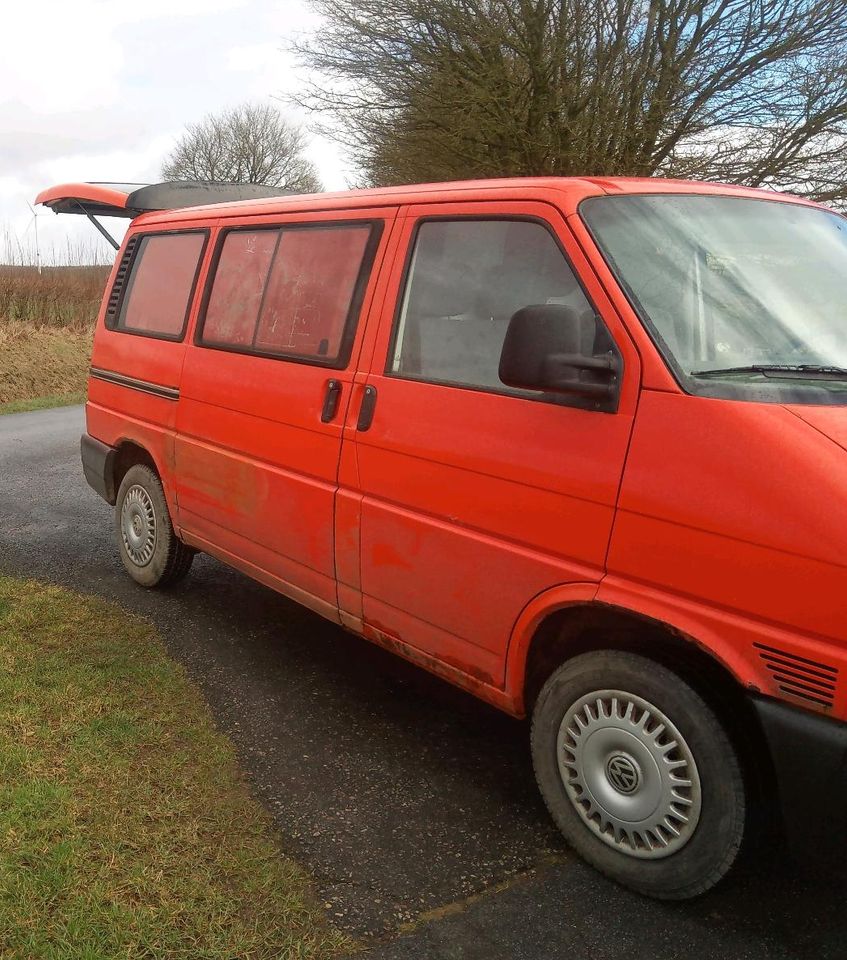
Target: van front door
(478, 497)
(264, 392)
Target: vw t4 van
(578, 446)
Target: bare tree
(745, 91)
(251, 143)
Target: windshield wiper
(797, 371)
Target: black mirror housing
(548, 347)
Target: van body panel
(348, 501)
(437, 466)
(252, 465)
(829, 421)
(108, 420)
(257, 468)
(565, 193)
(151, 361)
(234, 556)
(707, 485)
(747, 647)
(702, 527)
(479, 683)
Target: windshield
(746, 298)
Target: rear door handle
(330, 408)
(366, 411)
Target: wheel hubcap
(138, 525)
(629, 774)
(624, 773)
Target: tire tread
(179, 556)
(640, 663)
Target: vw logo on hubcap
(623, 773)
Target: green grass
(42, 403)
(125, 828)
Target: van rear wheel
(639, 774)
(151, 552)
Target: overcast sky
(101, 89)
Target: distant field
(57, 297)
(46, 327)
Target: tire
(151, 552)
(614, 781)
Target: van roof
(186, 201)
(566, 192)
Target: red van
(578, 446)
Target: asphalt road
(412, 804)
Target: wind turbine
(34, 220)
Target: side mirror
(548, 347)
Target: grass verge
(42, 361)
(125, 829)
(42, 403)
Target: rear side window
(466, 278)
(158, 290)
(291, 292)
(240, 280)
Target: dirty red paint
(460, 518)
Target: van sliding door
(265, 389)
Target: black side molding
(143, 386)
(98, 465)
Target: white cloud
(100, 90)
(43, 69)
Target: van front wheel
(639, 774)
(150, 550)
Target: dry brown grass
(46, 328)
(39, 360)
(56, 297)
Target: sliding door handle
(366, 411)
(330, 408)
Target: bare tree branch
(748, 91)
(251, 143)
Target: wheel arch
(578, 617)
(588, 625)
(128, 453)
(578, 623)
